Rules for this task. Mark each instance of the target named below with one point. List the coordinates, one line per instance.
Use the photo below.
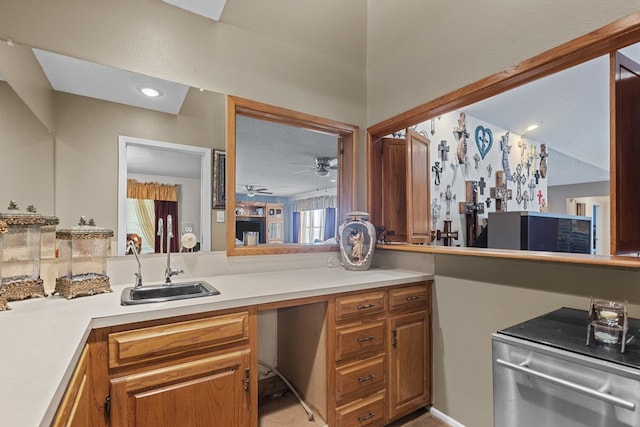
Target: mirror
(27, 150)
(568, 97)
(83, 143)
(293, 177)
(157, 179)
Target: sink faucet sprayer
(160, 231)
(170, 271)
(131, 245)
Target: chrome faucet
(161, 230)
(132, 246)
(170, 271)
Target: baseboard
(447, 419)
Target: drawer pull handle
(365, 339)
(414, 298)
(365, 306)
(366, 417)
(367, 378)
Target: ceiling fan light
(322, 172)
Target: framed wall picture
(219, 166)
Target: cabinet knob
(366, 339)
(365, 306)
(367, 378)
(366, 417)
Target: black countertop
(566, 329)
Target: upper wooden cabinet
(398, 192)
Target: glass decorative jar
(48, 237)
(82, 253)
(20, 257)
(3, 299)
(357, 237)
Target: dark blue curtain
(329, 223)
(296, 227)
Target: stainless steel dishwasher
(545, 375)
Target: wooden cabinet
(381, 355)
(275, 223)
(409, 350)
(74, 411)
(399, 192)
(188, 373)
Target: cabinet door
(417, 187)
(213, 391)
(75, 407)
(409, 363)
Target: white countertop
(41, 339)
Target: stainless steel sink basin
(162, 293)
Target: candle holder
(609, 322)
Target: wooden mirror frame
(347, 168)
(604, 41)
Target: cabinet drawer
(364, 412)
(158, 342)
(363, 338)
(361, 378)
(361, 304)
(409, 298)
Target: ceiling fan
(252, 190)
(321, 167)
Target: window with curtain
(147, 202)
(314, 219)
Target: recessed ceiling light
(150, 92)
(533, 126)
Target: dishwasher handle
(608, 398)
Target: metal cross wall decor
(500, 192)
(471, 208)
(446, 235)
(443, 149)
(520, 179)
(437, 170)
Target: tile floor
(286, 411)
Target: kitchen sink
(171, 292)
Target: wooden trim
(76, 388)
(559, 257)
(347, 135)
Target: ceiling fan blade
(306, 170)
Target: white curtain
(145, 211)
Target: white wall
(559, 194)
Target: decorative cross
(471, 208)
(454, 168)
(522, 144)
(476, 159)
(531, 158)
(489, 170)
(537, 176)
(543, 160)
(481, 185)
(532, 187)
(505, 147)
(446, 234)
(443, 148)
(520, 179)
(437, 170)
(466, 165)
(500, 192)
(435, 211)
(448, 196)
(460, 134)
(539, 196)
(488, 202)
(525, 196)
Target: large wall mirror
(73, 162)
(290, 179)
(544, 130)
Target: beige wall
(418, 50)
(475, 297)
(308, 56)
